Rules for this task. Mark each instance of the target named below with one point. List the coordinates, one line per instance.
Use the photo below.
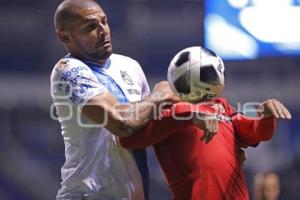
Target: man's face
(271, 187)
(90, 35)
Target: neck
(88, 59)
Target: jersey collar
(94, 65)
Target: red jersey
(195, 170)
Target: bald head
(82, 27)
(67, 12)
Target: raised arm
(250, 131)
(125, 119)
(254, 130)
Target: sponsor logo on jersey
(134, 92)
(127, 79)
(219, 108)
(223, 118)
(63, 63)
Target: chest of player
(123, 84)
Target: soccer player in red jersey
(209, 170)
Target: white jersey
(96, 166)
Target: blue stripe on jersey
(111, 85)
(106, 65)
(91, 64)
(140, 155)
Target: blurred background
(259, 41)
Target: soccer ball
(196, 73)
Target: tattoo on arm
(135, 116)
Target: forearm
(134, 116)
(125, 119)
(252, 131)
(140, 113)
(119, 119)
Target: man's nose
(102, 29)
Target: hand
(163, 93)
(209, 124)
(273, 107)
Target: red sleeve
(159, 129)
(251, 131)
(154, 132)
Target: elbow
(125, 131)
(267, 129)
(129, 128)
(267, 136)
(125, 144)
(128, 144)
(255, 139)
(122, 128)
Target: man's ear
(64, 36)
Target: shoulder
(226, 105)
(181, 108)
(121, 59)
(202, 107)
(132, 67)
(221, 100)
(69, 67)
(73, 64)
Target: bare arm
(119, 119)
(125, 119)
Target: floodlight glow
(247, 29)
(238, 3)
(279, 25)
(228, 40)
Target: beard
(95, 53)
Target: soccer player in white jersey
(87, 86)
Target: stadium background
(151, 31)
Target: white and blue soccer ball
(196, 73)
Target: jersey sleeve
(73, 81)
(250, 130)
(158, 129)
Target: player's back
(195, 170)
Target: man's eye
(91, 27)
